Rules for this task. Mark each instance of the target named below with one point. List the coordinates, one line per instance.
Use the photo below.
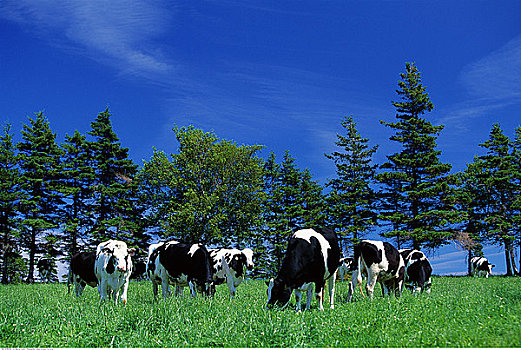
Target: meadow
(460, 312)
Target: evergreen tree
(313, 212)
(351, 199)
(498, 178)
(113, 185)
(516, 172)
(424, 214)
(77, 190)
(9, 201)
(40, 165)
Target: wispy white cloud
(492, 82)
(117, 33)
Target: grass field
(460, 312)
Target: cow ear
(107, 250)
(493, 265)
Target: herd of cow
(312, 258)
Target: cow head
(489, 267)
(278, 293)
(248, 254)
(119, 256)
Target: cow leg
(155, 289)
(371, 283)
(231, 285)
(298, 298)
(78, 288)
(355, 278)
(331, 284)
(124, 290)
(385, 290)
(164, 288)
(193, 292)
(428, 286)
(103, 289)
(319, 293)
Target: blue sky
(280, 74)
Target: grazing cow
(45, 269)
(346, 267)
(81, 272)
(313, 256)
(418, 270)
(380, 261)
(180, 264)
(113, 268)
(139, 269)
(228, 265)
(480, 266)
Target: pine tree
(424, 213)
(313, 211)
(351, 199)
(10, 194)
(78, 175)
(113, 183)
(516, 152)
(498, 178)
(41, 172)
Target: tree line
(57, 199)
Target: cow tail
(357, 260)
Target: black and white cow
(113, 268)
(46, 268)
(381, 262)
(313, 256)
(479, 266)
(179, 264)
(139, 269)
(418, 270)
(229, 265)
(81, 272)
(346, 267)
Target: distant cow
(480, 267)
(418, 270)
(81, 272)
(113, 268)
(379, 261)
(46, 268)
(179, 264)
(139, 269)
(313, 256)
(229, 265)
(345, 268)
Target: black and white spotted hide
(480, 267)
(380, 262)
(418, 271)
(230, 265)
(46, 269)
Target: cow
(113, 268)
(312, 256)
(379, 261)
(179, 264)
(418, 270)
(46, 268)
(229, 265)
(346, 267)
(139, 269)
(479, 266)
(81, 272)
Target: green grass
(460, 312)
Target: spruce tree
(113, 185)
(351, 199)
(516, 171)
(10, 194)
(498, 178)
(424, 213)
(77, 189)
(40, 165)
(313, 211)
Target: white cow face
(248, 253)
(119, 256)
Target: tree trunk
(508, 260)
(469, 264)
(512, 257)
(32, 254)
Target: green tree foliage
(209, 192)
(351, 199)
(497, 177)
(414, 179)
(293, 201)
(516, 171)
(41, 170)
(77, 190)
(10, 194)
(115, 192)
